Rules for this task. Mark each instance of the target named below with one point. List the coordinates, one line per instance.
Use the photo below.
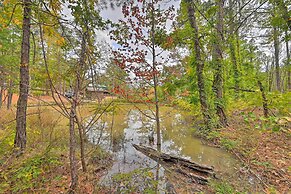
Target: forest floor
(262, 145)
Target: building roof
(96, 88)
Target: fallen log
(196, 172)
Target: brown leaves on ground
(266, 152)
(59, 179)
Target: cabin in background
(96, 92)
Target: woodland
(145, 96)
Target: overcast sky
(116, 14)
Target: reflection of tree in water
(148, 126)
(96, 132)
(127, 125)
(117, 142)
(117, 133)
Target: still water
(127, 125)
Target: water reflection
(116, 132)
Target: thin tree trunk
(288, 63)
(1, 86)
(199, 66)
(265, 101)
(268, 74)
(159, 141)
(20, 137)
(73, 117)
(155, 79)
(73, 165)
(1, 93)
(82, 147)
(78, 87)
(277, 65)
(9, 94)
(218, 59)
(271, 76)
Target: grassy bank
(44, 166)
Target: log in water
(196, 172)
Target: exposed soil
(31, 99)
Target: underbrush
(278, 103)
(44, 166)
(29, 174)
(185, 105)
(261, 144)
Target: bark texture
(288, 63)
(218, 60)
(20, 137)
(199, 63)
(73, 162)
(277, 65)
(199, 173)
(264, 98)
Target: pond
(127, 125)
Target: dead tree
(197, 172)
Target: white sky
(116, 14)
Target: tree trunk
(9, 94)
(1, 86)
(271, 71)
(20, 137)
(1, 94)
(73, 165)
(199, 66)
(268, 74)
(78, 87)
(73, 116)
(155, 79)
(288, 63)
(264, 98)
(82, 147)
(277, 65)
(233, 39)
(218, 60)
